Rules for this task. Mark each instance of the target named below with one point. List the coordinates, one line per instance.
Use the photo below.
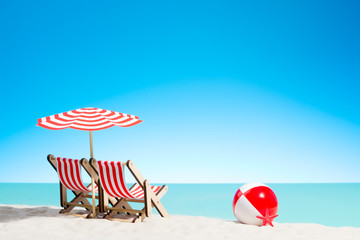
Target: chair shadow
(10, 213)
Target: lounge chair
(112, 181)
(69, 172)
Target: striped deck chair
(69, 172)
(112, 181)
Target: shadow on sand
(15, 213)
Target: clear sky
(229, 91)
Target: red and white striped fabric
(138, 192)
(88, 119)
(112, 180)
(69, 171)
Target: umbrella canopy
(88, 119)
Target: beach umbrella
(88, 119)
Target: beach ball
(255, 204)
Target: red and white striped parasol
(88, 119)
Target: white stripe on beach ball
(246, 213)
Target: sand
(29, 222)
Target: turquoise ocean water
(333, 204)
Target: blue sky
(229, 91)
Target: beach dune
(30, 222)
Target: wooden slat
(141, 218)
(162, 191)
(131, 188)
(136, 173)
(88, 168)
(101, 198)
(134, 200)
(76, 215)
(80, 205)
(148, 195)
(125, 210)
(93, 197)
(161, 209)
(63, 195)
(90, 196)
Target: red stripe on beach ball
(262, 198)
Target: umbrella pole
(91, 144)
(92, 179)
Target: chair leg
(161, 209)
(148, 196)
(93, 213)
(155, 200)
(93, 197)
(63, 195)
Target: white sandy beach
(29, 222)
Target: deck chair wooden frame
(81, 196)
(140, 192)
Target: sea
(330, 204)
